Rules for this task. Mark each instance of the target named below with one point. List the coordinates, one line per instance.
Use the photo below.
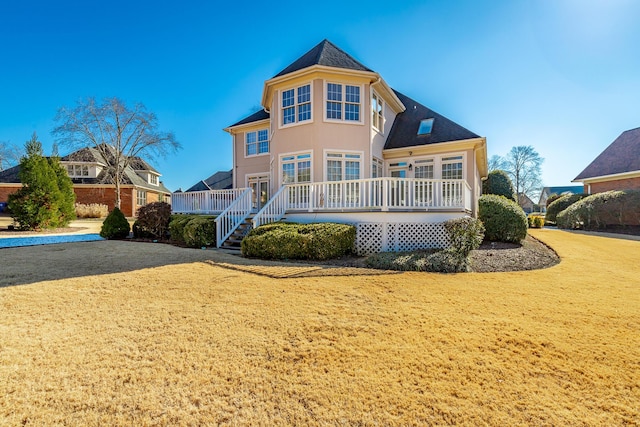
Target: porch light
(410, 166)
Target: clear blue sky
(560, 75)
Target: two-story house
(334, 142)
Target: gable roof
(404, 131)
(221, 180)
(91, 155)
(255, 117)
(623, 155)
(327, 54)
(575, 189)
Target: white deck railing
(204, 202)
(232, 216)
(378, 194)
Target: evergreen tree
(41, 203)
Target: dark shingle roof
(255, 117)
(91, 155)
(404, 131)
(10, 176)
(623, 155)
(575, 189)
(327, 54)
(222, 180)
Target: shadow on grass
(32, 264)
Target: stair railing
(233, 216)
(275, 208)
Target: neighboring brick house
(93, 182)
(616, 168)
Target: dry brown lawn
(90, 335)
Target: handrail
(204, 202)
(232, 216)
(274, 209)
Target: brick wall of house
(106, 196)
(5, 191)
(619, 184)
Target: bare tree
(523, 164)
(117, 132)
(496, 163)
(9, 155)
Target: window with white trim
(377, 119)
(343, 102)
(376, 168)
(296, 168)
(78, 170)
(153, 179)
(343, 166)
(424, 169)
(452, 167)
(257, 142)
(141, 198)
(295, 105)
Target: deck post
(385, 192)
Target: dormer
(150, 177)
(80, 170)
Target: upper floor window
(377, 120)
(376, 168)
(452, 167)
(257, 142)
(78, 170)
(153, 179)
(296, 105)
(343, 102)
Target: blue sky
(560, 75)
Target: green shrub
(465, 234)
(318, 241)
(535, 221)
(432, 260)
(176, 227)
(503, 219)
(499, 183)
(597, 211)
(140, 232)
(200, 231)
(560, 204)
(552, 198)
(153, 220)
(115, 225)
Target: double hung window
(343, 102)
(296, 105)
(377, 119)
(78, 170)
(257, 142)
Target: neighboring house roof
(91, 155)
(10, 176)
(327, 54)
(623, 155)
(404, 132)
(524, 200)
(222, 180)
(575, 189)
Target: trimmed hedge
(535, 221)
(499, 183)
(465, 234)
(597, 211)
(115, 225)
(317, 241)
(560, 204)
(193, 230)
(503, 219)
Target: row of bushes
(156, 222)
(600, 210)
(318, 241)
(93, 210)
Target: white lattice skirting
(377, 237)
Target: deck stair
(234, 241)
